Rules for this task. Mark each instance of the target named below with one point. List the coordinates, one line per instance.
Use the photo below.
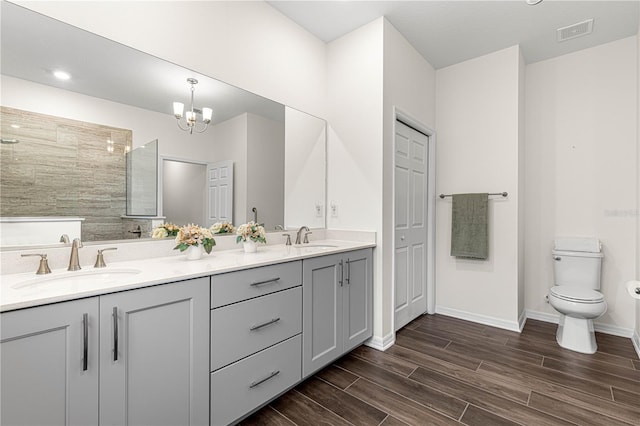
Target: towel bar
(504, 194)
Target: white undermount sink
(93, 276)
(314, 247)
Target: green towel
(469, 226)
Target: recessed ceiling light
(15, 126)
(61, 75)
(533, 2)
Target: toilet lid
(576, 294)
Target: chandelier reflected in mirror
(190, 121)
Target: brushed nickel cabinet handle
(264, 324)
(260, 381)
(115, 333)
(85, 342)
(271, 280)
(348, 272)
(341, 273)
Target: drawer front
(247, 327)
(241, 387)
(237, 286)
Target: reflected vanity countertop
(25, 290)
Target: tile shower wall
(63, 167)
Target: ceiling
(448, 32)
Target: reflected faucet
(255, 214)
(74, 260)
(64, 238)
(299, 234)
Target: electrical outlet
(334, 209)
(318, 210)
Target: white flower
(160, 233)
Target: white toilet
(576, 274)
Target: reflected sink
(94, 276)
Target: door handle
(115, 333)
(85, 342)
(348, 272)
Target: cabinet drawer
(236, 286)
(247, 327)
(241, 387)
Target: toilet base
(576, 334)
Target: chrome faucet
(74, 260)
(299, 234)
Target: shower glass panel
(142, 180)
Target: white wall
(409, 85)
(636, 336)
(265, 170)
(305, 161)
(477, 150)
(248, 44)
(581, 168)
(354, 149)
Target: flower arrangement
(165, 230)
(251, 231)
(222, 228)
(194, 235)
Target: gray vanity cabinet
(50, 365)
(256, 321)
(154, 364)
(75, 363)
(337, 306)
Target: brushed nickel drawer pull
(264, 324)
(272, 280)
(85, 342)
(258, 382)
(115, 333)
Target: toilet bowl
(575, 295)
(578, 307)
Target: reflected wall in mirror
(183, 191)
(120, 87)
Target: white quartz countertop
(25, 290)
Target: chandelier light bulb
(178, 109)
(207, 113)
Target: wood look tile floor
(445, 371)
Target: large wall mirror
(119, 101)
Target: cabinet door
(322, 312)
(49, 367)
(154, 355)
(357, 298)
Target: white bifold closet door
(410, 251)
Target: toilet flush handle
(558, 258)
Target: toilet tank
(578, 267)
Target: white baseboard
(522, 320)
(381, 343)
(481, 319)
(600, 328)
(542, 316)
(636, 342)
